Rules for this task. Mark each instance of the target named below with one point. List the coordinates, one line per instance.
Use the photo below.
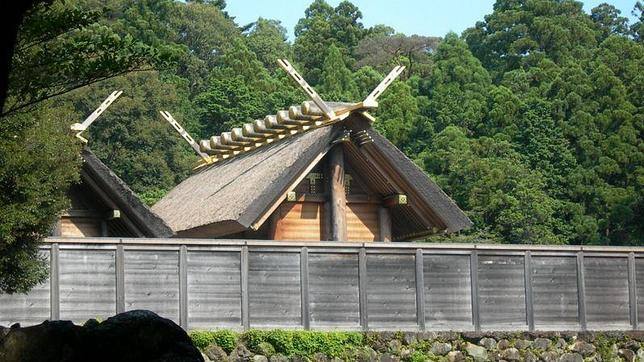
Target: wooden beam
(338, 200)
(395, 200)
(384, 223)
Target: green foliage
(302, 343)
(38, 162)
(337, 81)
(224, 338)
(321, 27)
(62, 47)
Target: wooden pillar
(384, 223)
(338, 198)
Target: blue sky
(423, 17)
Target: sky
(422, 17)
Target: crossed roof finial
(286, 123)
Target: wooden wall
(301, 221)
(205, 284)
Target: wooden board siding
(448, 296)
(554, 292)
(501, 292)
(391, 286)
(264, 282)
(213, 286)
(606, 283)
(152, 282)
(333, 290)
(274, 289)
(301, 221)
(362, 222)
(639, 278)
(26, 309)
(87, 284)
(79, 227)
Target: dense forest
(531, 119)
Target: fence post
(528, 290)
(244, 287)
(581, 291)
(183, 287)
(304, 287)
(420, 290)
(120, 278)
(474, 279)
(54, 292)
(362, 287)
(632, 291)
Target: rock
(426, 336)
(571, 357)
(265, 349)
(3, 332)
(640, 354)
(511, 354)
(632, 345)
(134, 336)
(278, 358)
(441, 348)
(503, 344)
(409, 338)
(259, 358)
(583, 348)
(477, 353)
(549, 356)
(240, 354)
(205, 358)
(405, 353)
(394, 346)
(627, 354)
(320, 357)
(215, 353)
(561, 344)
(91, 323)
(455, 356)
(522, 344)
(487, 342)
(388, 357)
(365, 354)
(541, 344)
(530, 357)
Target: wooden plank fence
(208, 284)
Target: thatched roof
(96, 173)
(230, 196)
(239, 192)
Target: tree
(61, 48)
(337, 81)
(39, 159)
(637, 29)
(608, 20)
(267, 39)
(397, 114)
(322, 26)
(457, 88)
(382, 51)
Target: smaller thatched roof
(94, 171)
